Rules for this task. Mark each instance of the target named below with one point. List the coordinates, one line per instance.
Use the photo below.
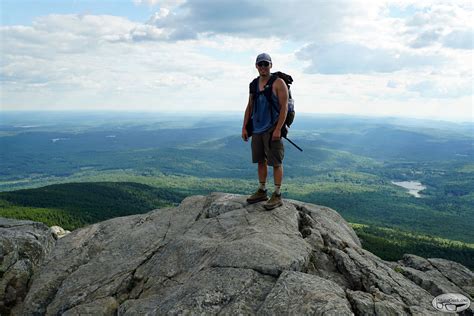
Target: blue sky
(15, 12)
(387, 57)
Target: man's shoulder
(279, 83)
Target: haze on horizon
(401, 58)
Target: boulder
(58, 232)
(216, 254)
(437, 275)
(23, 247)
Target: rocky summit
(211, 255)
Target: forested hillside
(391, 244)
(73, 205)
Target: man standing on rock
(267, 119)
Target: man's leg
(277, 178)
(262, 172)
(261, 194)
(275, 200)
(258, 156)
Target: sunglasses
(263, 64)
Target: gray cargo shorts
(263, 148)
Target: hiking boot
(274, 202)
(260, 195)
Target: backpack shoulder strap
(273, 78)
(269, 86)
(253, 87)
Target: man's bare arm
(248, 111)
(282, 94)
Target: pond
(414, 187)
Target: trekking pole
(293, 144)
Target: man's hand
(276, 134)
(245, 135)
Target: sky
(408, 58)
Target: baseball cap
(263, 57)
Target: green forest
(391, 244)
(74, 205)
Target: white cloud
(442, 88)
(85, 25)
(147, 33)
(301, 20)
(161, 3)
(392, 84)
(117, 66)
(354, 57)
(462, 39)
(342, 58)
(438, 24)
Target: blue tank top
(261, 119)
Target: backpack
(267, 91)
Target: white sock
(277, 189)
(262, 186)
